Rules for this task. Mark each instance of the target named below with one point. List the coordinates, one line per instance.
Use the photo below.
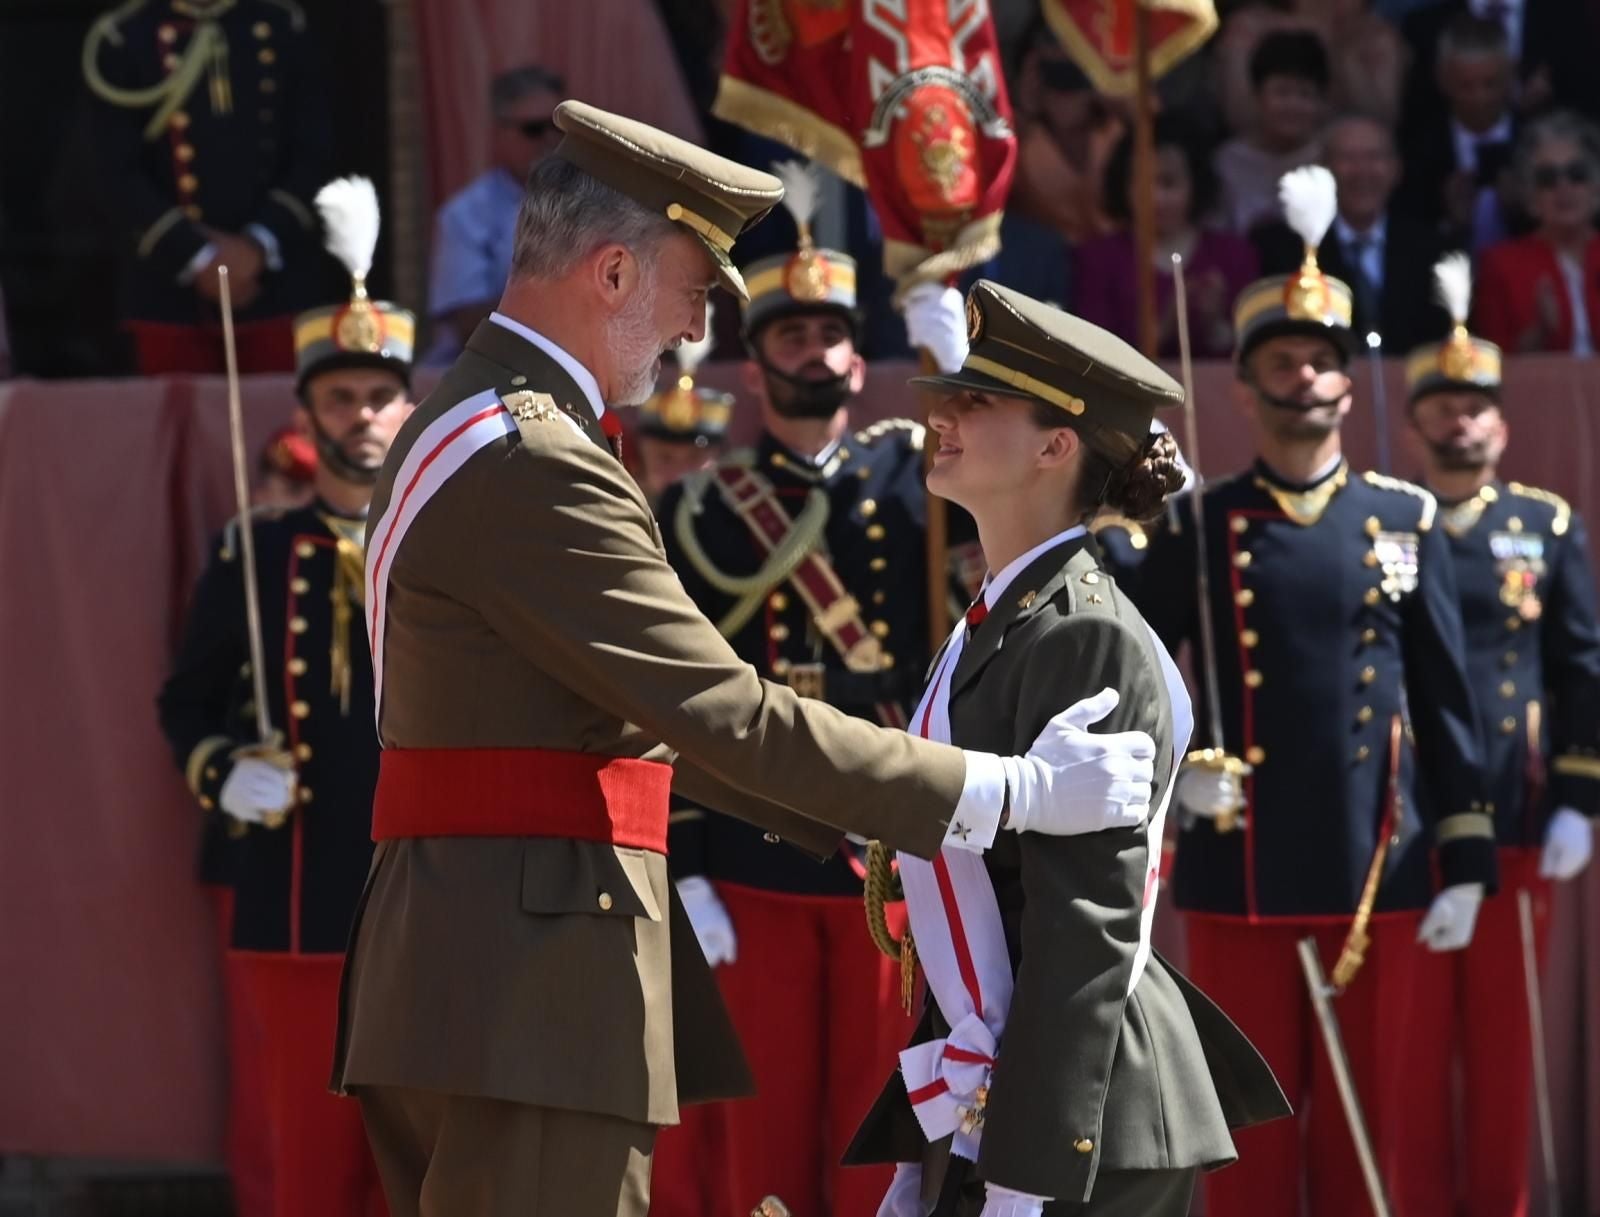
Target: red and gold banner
(1099, 36)
(904, 98)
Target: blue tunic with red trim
(1325, 627)
(297, 886)
(870, 490)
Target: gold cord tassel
(347, 592)
(879, 891)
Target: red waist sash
(521, 792)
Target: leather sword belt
(842, 687)
(521, 792)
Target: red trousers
(321, 1165)
(1253, 972)
(163, 348)
(818, 1012)
(245, 1148)
(1478, 996)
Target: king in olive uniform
(1347, 789)
(1527, 587)
(298, 807)
(809, 552)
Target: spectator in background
(1217, 265)
(1458, 173)
(1367, 75)
(1541, 292)
(1386, 257)
(477, 226)
(1289, 77)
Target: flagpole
(1144, 155)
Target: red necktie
(976, 614)
(612, 426)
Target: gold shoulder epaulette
(887, 426)
(1563, 509)
(1430, 505)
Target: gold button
(300, 710)
(1508, 725)
(1255, 754)
(1374, 526)
(1511, 659)
(1239, 524)
(886, 661)
(211, 773)
(1083, 1145)
(269, 85)
(179, 121)
(780, 667)
(868, 506)
(880, 628)
(1249, 638)
(1373, 595)
(299, 586)
(168, 33)
(1242, 559)
(1364, 715)
(1368, 675)
(305, 549)
(1090, 578)
(302, 752)
(875, 532)
(1514, 524)
(1244, 597)
(297, 666)
(1369, 636)
(878, 564)
(778, 601)
(1253, 679)
(193, 212)
(206, 804)
(187, 183)
(779, 461)
(261, 30)
(605, 902)
(864, 474)
(1508, 688)
(1369, 558)
(184, 152)
(778, 632)
(844, 454)
(878, 597)
(266, 55)
(297, 625)
(305, 794)
(169, 61)
(1513, 624)
(1362, 753)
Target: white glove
(710, 920)
(1075, 781)
(1568, 844)
(936, 320)
(904, 1197)
(1451, 918)
(1003, 1202)
(1209, 791)
(256, 788)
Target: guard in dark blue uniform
(1527, 589)
(681, 429)
(1337, 643)
(809, 554)
(299, 807)
(211, 122)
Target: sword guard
(271, 751)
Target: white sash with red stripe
(955, 922)
(446, 444)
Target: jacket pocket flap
(560, 875)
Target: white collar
(994, 586)
(581, 375)
(1374, 236)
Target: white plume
(800, 189)
(349, 207)
(1310, 200)
(692, 354)
(1452, 281)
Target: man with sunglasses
(476, 228)
(1337, 640)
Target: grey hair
(508, 88)
(1558, 124)
(566, 215)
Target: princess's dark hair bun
(1154, 475)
